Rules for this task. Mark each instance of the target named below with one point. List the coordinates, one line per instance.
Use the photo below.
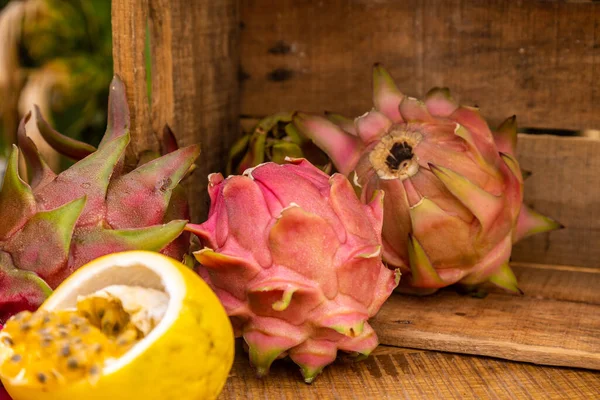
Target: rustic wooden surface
(194, 52)
(394, 374)
(129, 19)
(556, 322)
(539, 59)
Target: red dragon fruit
(56, 223)
(453, 189)
(296, 260)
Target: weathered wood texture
(565, 185)
(393, 373)
(537, 59)
(556, 322)
(194, 51)
(129, 19)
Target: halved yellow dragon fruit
(56, 223)
(296, 260)
(453, 188)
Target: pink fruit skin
(52, 223)
(456, 209)
(295, 259)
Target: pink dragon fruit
(56, 223)
(296, 260)
(453, 189)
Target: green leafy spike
(152, 238)
(423, 273)
(55, 228)
(506, 279)
(482, 204)
(17, 203)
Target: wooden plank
(394, 373)
(129, 18)
(537, 59)
(565, 184)
(194, 81)
(194, 78)
(548, 325)
(558, 282)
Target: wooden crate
(218, 63)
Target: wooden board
(537, 59)
(556, 322)
(394, 373)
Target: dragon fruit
(56, 223)
(453, 189)
(296, 260)
(273, 139)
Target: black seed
(26, 326)
(398, 153)
(116, 328)
(42, 377)
(101, 314)
(94, 370)
(46, 319)
(16, 358)
(8, 341)
(72, 363)
(65, 351)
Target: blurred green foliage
(70, 39)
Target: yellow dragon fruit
(296, 260)
(453, 188)
(56, 223)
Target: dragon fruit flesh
(453, 188)
(56, 223)
(296, 260)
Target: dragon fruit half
(57, 223)
(453, 189)
(296, 260)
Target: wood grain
(537, 59)
(194, 52)
(547, 325)
(129, 19)
(195, 88)
(394, 373)
(565, 185)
